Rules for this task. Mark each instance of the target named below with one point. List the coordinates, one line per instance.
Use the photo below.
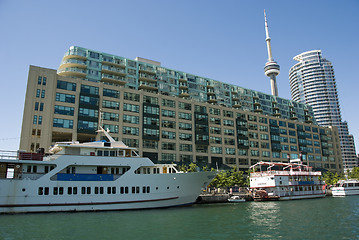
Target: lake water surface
(329, 218)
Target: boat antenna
(100, 128)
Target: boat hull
(165, 190)
(341, 192)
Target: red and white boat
(285, 181)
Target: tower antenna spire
(271, 69)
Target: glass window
(111, 93)
(66, 85)
(61, 97)
(63, 123)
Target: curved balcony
(72, 72)
(72, 62)
(258, 110)
(75, 54)
(182, 80)
(110, 78)
(113, 70)
(277, 114)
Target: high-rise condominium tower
(312, 81)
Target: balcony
(68, 63)
(183, 85)
(114, 62)
(147, 78)
(236, 104)
(210, 91)
(182, 80)
(113, 70)
(110, 78)
(148, 85)
(183, 93)
(212, 99)
(72, 72)
(146, 69)
(75, 54)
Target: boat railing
(292, 173)
(12, 155)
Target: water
(329, 218)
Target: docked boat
(236, 199)
(346, 188)
(93, 176)
(285, 181)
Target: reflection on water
(265, 217)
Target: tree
(354, 173)
(330, 178)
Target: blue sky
(222, 40)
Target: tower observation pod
(271, 69)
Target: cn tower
(271, 69)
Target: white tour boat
(346, 187)
(91, 177)
(285, 181)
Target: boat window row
(301, 178)
(96, 190)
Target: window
(112, 128)
(63, 123)
(168, 124)
(151, 110)
(111, 93)
(130, 130)
(86, 112)
(184, 106)
(168, 135)
(110, 116)
(185, 136)
(42, 93)
(214, 111)
(110, 104)
(227, 113)
(66, 85)
(185, 147)
(168, 113)
(185, 126)
(168, 103)
(186, 116)
(131, 119)
(131, 107)
(168, 146)
(216, 150)
(215, 130)
(150, 144)
(69, 111)
(131, 96)
(87, 125)
(89, 90)
(151, 100)
(35, 119)
(61, 97)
